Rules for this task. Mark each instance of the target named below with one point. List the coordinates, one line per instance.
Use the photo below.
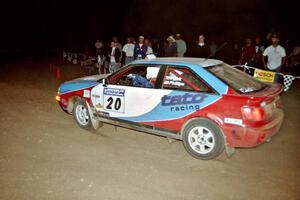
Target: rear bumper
(251, 137)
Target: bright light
(57, 98)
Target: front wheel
(81, 115)
(203, 139)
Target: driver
(140, 81)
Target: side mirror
(104, 82)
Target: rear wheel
(203, 139)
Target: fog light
(57, 98)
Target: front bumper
(62, 103)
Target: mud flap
(96, 124)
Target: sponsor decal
(233, 121)
(114, 92)
(188, 101)
(174, 81)
(98, 105)
(173, 78)
(264, 76)
(95, 95)
(104, 114)
(86, 93)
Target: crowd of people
(269, 54)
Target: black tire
(82, 116)
(203, 139)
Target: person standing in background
(128, 50)
(116, 41)
(140, 49)
(248, 53)
(156, 47)
(99, 48)
(170, 48)
(149, 47)
(276, 56)
(201, 49)
(181, 45)
(259, 49)
(213, 48)
(294, 60)
(115, 57)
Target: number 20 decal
(114, 103)
(117, 103)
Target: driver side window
(137, 76)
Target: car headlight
(57, 98)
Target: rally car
(206, 103)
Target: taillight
(253, 113)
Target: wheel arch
(95, 123)
(216, 122)
(71, 102)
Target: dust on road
(45, 155)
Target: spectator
(294, 61)
(115, 57)
(228, 52)
(156, 47)
(236, 51)
(213, 48)
(248, 53)
(201, 49)
(170, 48)
(181, 45)
(118, 45)
(128, 50)
(276, 56)
(149, 47)
(287, 45)
(140, 49)
(259, 49)
(99, 48)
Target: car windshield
(236, 79)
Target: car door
(186, 95)
(129, 95)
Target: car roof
(204, 62)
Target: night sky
(58, 24)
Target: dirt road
(45, 155)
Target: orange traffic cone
(58, 73)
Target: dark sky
(75, 23)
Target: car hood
(80, 83)
(89, 78)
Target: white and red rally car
(204, 102)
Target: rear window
(236, 79)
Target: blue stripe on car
(161, 112)
(76, 85)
